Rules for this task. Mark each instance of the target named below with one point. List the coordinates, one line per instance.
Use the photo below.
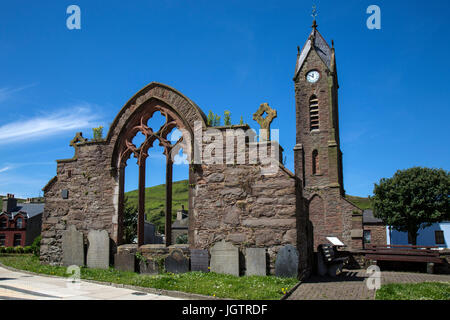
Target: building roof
(29, 209)
(368, 217)
(316, 41)
(180, 224)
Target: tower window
(313, 113)
(315, 162)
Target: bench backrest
(327, 252)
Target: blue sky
(224, 55)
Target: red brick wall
(11, 230)
(9, 237)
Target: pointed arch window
(313, 113)
(315, 162)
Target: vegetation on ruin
(414, 291)
(210, 284)
(97, 133)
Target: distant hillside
(155, 201)
(360, 202)
(155, 198)
(18, 199)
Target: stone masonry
(227, 201)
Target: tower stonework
(318, 157)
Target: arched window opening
(315, 162)
(149, 211)
(314, 113)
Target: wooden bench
(404, 253)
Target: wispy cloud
(7, 92)
(4, 169)
(74, 117)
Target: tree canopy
(412, 199)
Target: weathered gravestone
(73, 247)
(255, 262)
(125, 261)
(286, 264)
(199, 260)
(176, 262)
(148, 266)
(98, 250)
(225, 258)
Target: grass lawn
(210, 284)
(414, 291)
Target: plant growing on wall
(216, 120)
(210, 119)
(227, 118)
(97, 133)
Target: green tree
(413, 199)
(130, 215)
(242, 120)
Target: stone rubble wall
(90, 204)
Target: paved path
(351, 285)
(17, 285)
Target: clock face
(313, 76)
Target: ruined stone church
(227, 201)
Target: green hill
(155, 199)
(360, 202)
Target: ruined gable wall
(91, 190)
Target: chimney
(9, 203)
(181, 214)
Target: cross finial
(265, 122)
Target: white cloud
(7, 92)
(4, 169)
(72, 118)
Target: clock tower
(318, 156)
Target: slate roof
(180, 224)
(368, 217)
(30, 209)
(320, 46)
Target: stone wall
(377, 233)
(235, 202)
(90, 202)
